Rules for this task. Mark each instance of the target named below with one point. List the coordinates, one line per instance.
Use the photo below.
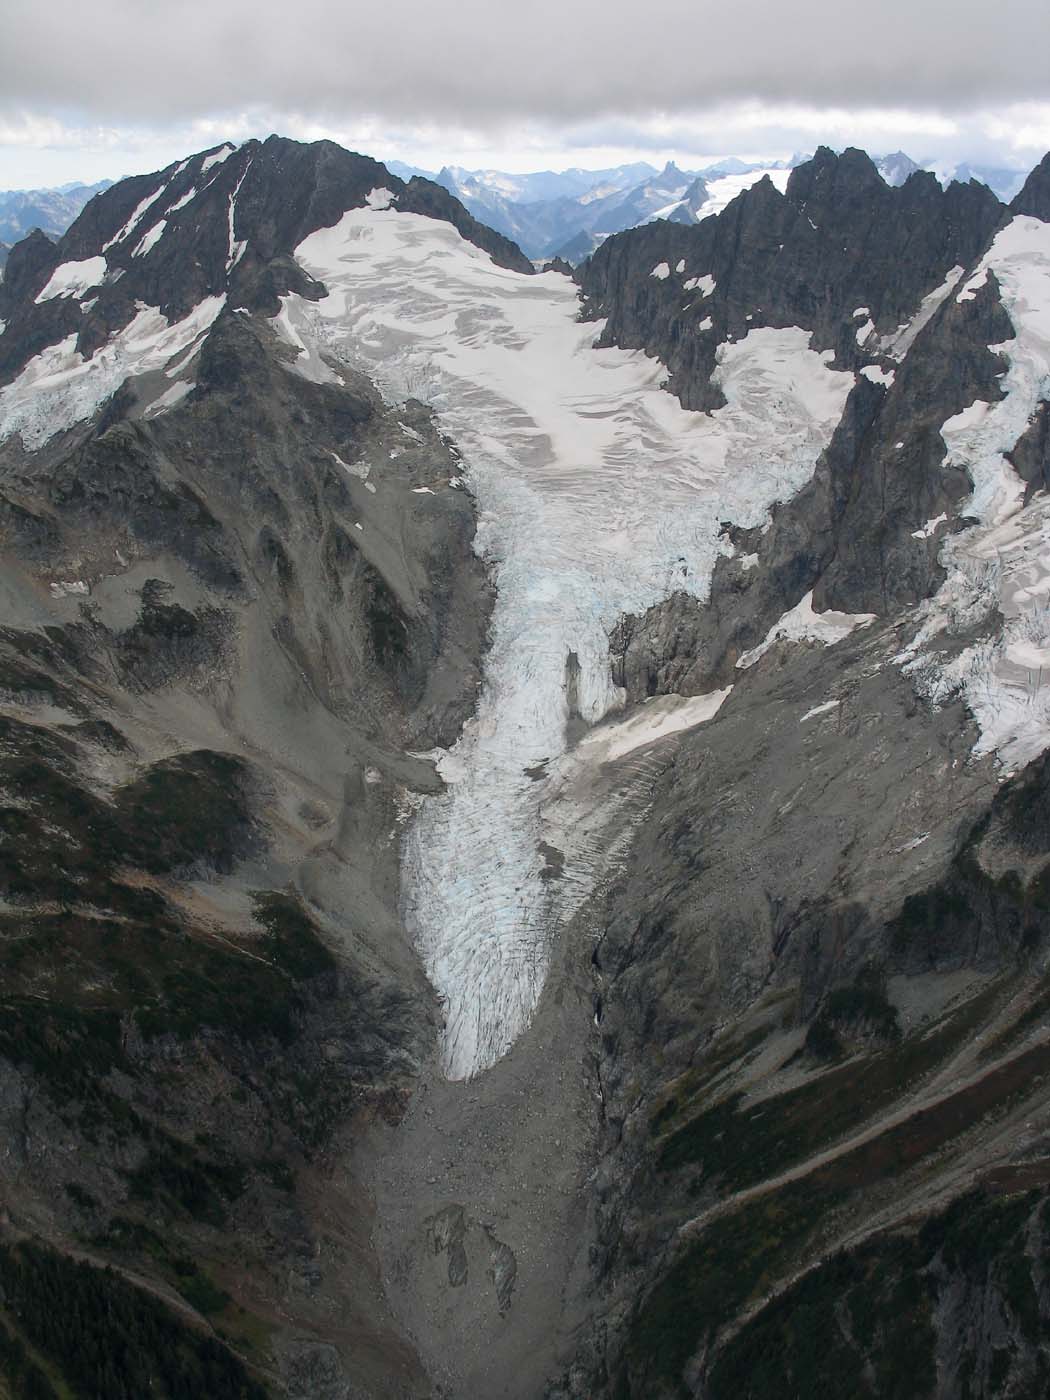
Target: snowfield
(598, 495)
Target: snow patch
(178, 391)
(827, 706)
(897, 344)
(142, 207)
(802, 624)
(705, 285)
(661, 271)
(217, 157)
(73, 279)
(235, 248)
(153, 236)
(657, 718)
(182, 202)
(359, 470)
(930, 528)
(877, 375)
(380, 198)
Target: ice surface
(73, 279)
(801, 623)
(58, 387)
(1003, 564)
(597, 495)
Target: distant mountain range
(568, 214)
(50, 210)
(550, 214)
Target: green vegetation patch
(738, 1258)
(739, 1145)
(862, 1324)
(109, 1338)
(27, 1380)
(740, 1255)
(292, 940)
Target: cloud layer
(482, 61)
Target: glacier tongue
(597, 495)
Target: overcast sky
(118, 86)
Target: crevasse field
(598, 495)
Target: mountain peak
(1034, 197)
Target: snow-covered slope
(1004, 563)
(598, 495)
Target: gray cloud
(478, 63)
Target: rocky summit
(525, 797)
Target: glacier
(1002, 564)
(597, 495)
